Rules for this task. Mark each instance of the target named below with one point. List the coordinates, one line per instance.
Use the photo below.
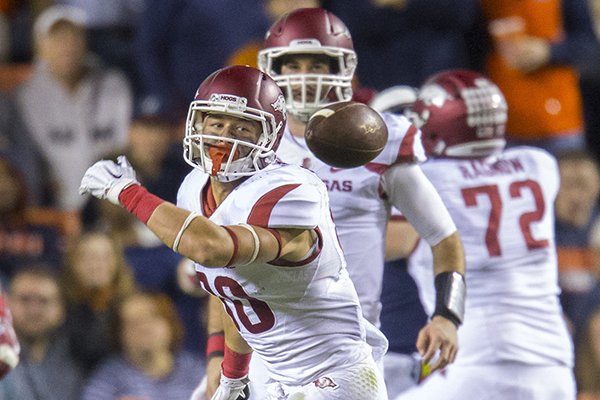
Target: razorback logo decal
(325, 382)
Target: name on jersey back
(472, 169)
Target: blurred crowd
(97, 300)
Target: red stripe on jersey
(406, 153)
(207, 199)
(262, 209)
(378, 168)
(315, 254)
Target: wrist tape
(235, 365)
(138, 201)
(450, 291)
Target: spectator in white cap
(75, 109)
(52, 15)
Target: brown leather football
(346, 134)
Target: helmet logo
(279, 105)
(305, 43)
(233, 102)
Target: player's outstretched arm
(189, 234)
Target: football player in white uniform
(514, 343)
(309, 53)
(264, 243)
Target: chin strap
(450, 290)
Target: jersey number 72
(516, 190)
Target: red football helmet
(312, 31)
(246, 93)
(461, 114)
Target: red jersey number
(236, 295)
(516, 190)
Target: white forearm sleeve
(410, 191)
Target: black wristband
(450, 296)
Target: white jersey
(301, 319)
(359, 205)
(503, 207)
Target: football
(346, 134)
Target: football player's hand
(232, 389)
(438, 337)
(9, 345)
(107, 179)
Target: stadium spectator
(587, 359)
(577, 228)
(147, 362)
(537, 48)
(110, 27)
(233, 130)
(95, 274)
(47, 369)
(17, 144)
(23, 239)
(75, 110)
(514, 342)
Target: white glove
(232, 389)
(107, 179)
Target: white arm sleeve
(410, 191)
